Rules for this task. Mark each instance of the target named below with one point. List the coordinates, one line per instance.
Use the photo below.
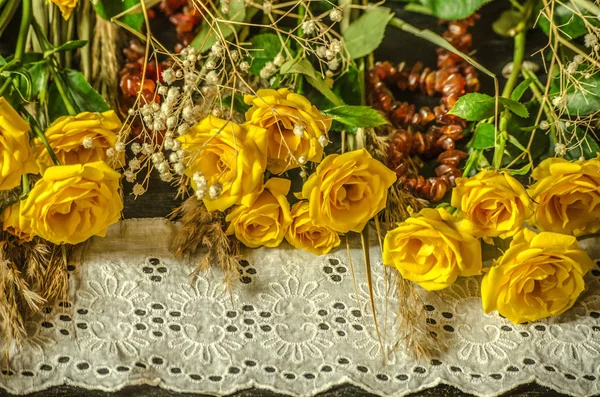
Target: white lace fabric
(292, 325)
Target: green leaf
(571, 25)
(585, 101)
(238, 103)
(265, 48)
(85, 98)
(418, 8)
(506, 24)
(107, 9)
(520, 129)
(521, 88)
(516, 107)
(364, 35)
(453, 9)
(207, 37)
(484, 137)
(477, 106)
(356, 116)
(512, 139)
(69, 45)
(520, 171)
(349, 87)
(474, 107)
(588, 147)
(303, 66)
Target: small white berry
(163, 167)
(244, 66)
(179, 168)
(134, 164)
(120, 147)
(129, 176)
(138, 189)
(560, 149)
(302, 160)
(323, 140)
(110, 152)
(335, 15)
(544, 125)
(299, 130)
(215, 191)
(88, 142)
(136, 148)
(199, 179)
(279, 60)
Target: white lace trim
(291, 325)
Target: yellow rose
(67, 134)
(228, 154)
(305, 234)
(430, 251)
(568, 196)
(347, 190)
(16, 156)
(266, 219)
(293, 125)
(66, 7)
(494, 204)
(15, 224)
(538, 276)
(72, 203)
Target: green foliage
(265, 48)
(107, 9)
(449, 9)
(356, 116)
(238, 103)
(520, 129)
(477, 106)
(85, 98)
(304, 67)
(484, 137)
(364, 35)
(570, 25)
(207, 37)
(350, 87)
(587, 148)
(521, 89)
(69, 45)
(581, 102)
(506, 24)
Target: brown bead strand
(453, 79)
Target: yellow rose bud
(305, 234)
(72, 203)
(347, 190)
(16, 156)
(493, 203)
(264, 222)
(293, 126)
(66, 7)
(568, 196)
(538, 276)
(15, 224)
(66, 137)
(430, 251)
(228, 154)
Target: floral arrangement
(274, 123)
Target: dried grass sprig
(17, 299)
(200, 228)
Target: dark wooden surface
(492, 50)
